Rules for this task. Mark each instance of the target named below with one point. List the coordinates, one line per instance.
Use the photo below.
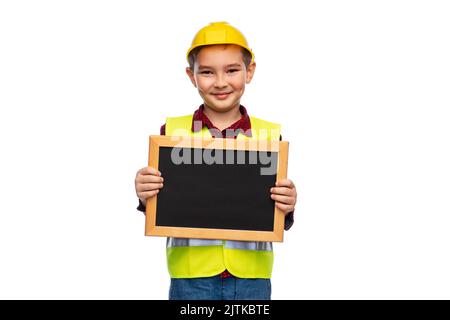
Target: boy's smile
(220, 76)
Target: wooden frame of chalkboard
(238, 191)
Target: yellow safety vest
(194, 258)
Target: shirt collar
(243, 124)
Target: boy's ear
(250, 72)
(190, 74)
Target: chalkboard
(216, 188)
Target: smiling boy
(220, 65)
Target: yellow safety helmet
(219, 33)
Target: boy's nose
(220, 82)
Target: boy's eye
(205, 72)
(233, 70)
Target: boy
(220, 65)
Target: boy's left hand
(285, 195)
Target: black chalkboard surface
(215, 189)
(225, 196)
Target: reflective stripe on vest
(192, 258)
(183, 242)
(231, 244)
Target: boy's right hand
(147, 183)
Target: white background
(360, 87)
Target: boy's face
(220, 76)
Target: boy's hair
(192, 58)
